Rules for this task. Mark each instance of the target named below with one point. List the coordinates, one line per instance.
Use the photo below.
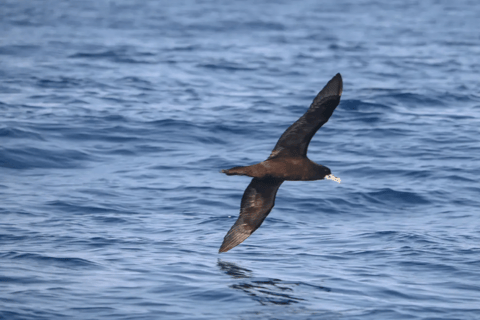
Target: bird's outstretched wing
(294, 141)
(257, 202)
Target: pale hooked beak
(332, 177)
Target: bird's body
(287, 162)
(285, 168)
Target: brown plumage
(288, 161)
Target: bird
(287, 162)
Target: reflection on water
(266, 291)
(233, 270)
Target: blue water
(116, 117)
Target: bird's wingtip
(234, 237)
(335, 85)
(226, 245)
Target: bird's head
(325, 173)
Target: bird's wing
(294, 141)
(257, 202)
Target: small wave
(10, 132)
(66, 206)
(119, 55)
(396, 197)
(31, 158)
(59, 83)
(62, 262)
(18, 50)
(227, 66)
(362, 106)
(110, 220)
(411, 100)
(401, 237)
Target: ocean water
(116, 117)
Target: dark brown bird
(288, 161)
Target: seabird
(288, 161)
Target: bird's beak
(332, 177)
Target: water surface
(116, 117)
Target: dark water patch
(390, 196)
(353, 105)
(94, 310)
(117, 151)
(188, 47)
(136, 82)
(71, 207)
(61, 262)
(335, 205)
(369, 119)
(223, 65)
(14, 315)
(437, 268)
(19, 50)
(118, 55)
(115, 118)
(210, 140)
(165, 167)
(27, 108)
(32, 157)
(16, 133)
(411, 100)
(147, 149)
(374, 172)
(100, 242)
(237, 128)
(387, 133)
(414, 239)
(313, 205)
(115, 134)
(350, 47)
(11, 238)
(173, 124)
(63, 99)
(59, 83)
(111, 220)
(394, 294)
(4, 106)
(24, 280)
(260, 25)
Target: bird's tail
(236, 171)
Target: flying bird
(287, 162)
